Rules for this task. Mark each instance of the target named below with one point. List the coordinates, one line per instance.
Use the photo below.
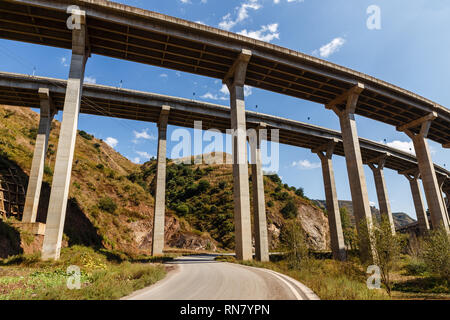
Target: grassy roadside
(334, 280)
(104, 275)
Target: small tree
(290, 210)
(294, 241)
(437, 253)
(386, 249)
(350, 236)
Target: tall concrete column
(160, 192)
(377, 167)
(64, 157)
(419, 205)
(334, 215)
(427, 171)
(441, 181)
(259, 202)
(235, 80)
(47, 112)
(355, 169)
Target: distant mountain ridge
(401, 219)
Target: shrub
(107, 204)
(437, 253)
(222, 185)
(203, 185)
(182, 209)
(300, 192)
(275, 178)
(85, 135)
(290, 210)
(270, 203)
(48, 170)
(97, 146)
(416, 267)
(100, 166)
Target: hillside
(401, 219)
(111, 202)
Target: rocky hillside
(111, 198)
(401, 219)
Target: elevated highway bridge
(123, 32)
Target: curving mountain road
(202, 278)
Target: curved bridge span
(123, 32)
(23, 90)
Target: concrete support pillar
(47, 112)
(441, 181)
(419, 205)
(66, 146)
(235, 80)
(259, 202)
(160, 193)
(355, 169)
(427, 171)
(377, 167)
(334, 215)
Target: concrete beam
(427, 171)
(333, 212)
(419, 204)
(342, 99)
(355, 168)
(446, 146)
(382, 194)
(64, 158)
(47, 112)
(418, 122)
(160, 193)
(244, 58)
(259, 202)
(243, 234)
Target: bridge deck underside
(19, 90)
(141, 36)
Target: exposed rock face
(316, 227)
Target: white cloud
(224, 93)
(144, 135)
(136, 160)
(228, 23)
(306, 165)
(330, 48)
(372, 204)
(405, 146)
(266, 33)
(112, 142)
(164, 75)
(90, 80)
(144, 155)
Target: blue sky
(410, 50)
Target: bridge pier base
(334, 215)
(47, 112)
(355, 169)
(66, 146)
(382, 194)
(160, 192)
(419, 205)
(259, 204)
(427, 171)
(235, 80)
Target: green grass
(104, 275)
(329, 279)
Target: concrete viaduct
(119, 31)
(37, 92)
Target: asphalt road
(202, 278)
